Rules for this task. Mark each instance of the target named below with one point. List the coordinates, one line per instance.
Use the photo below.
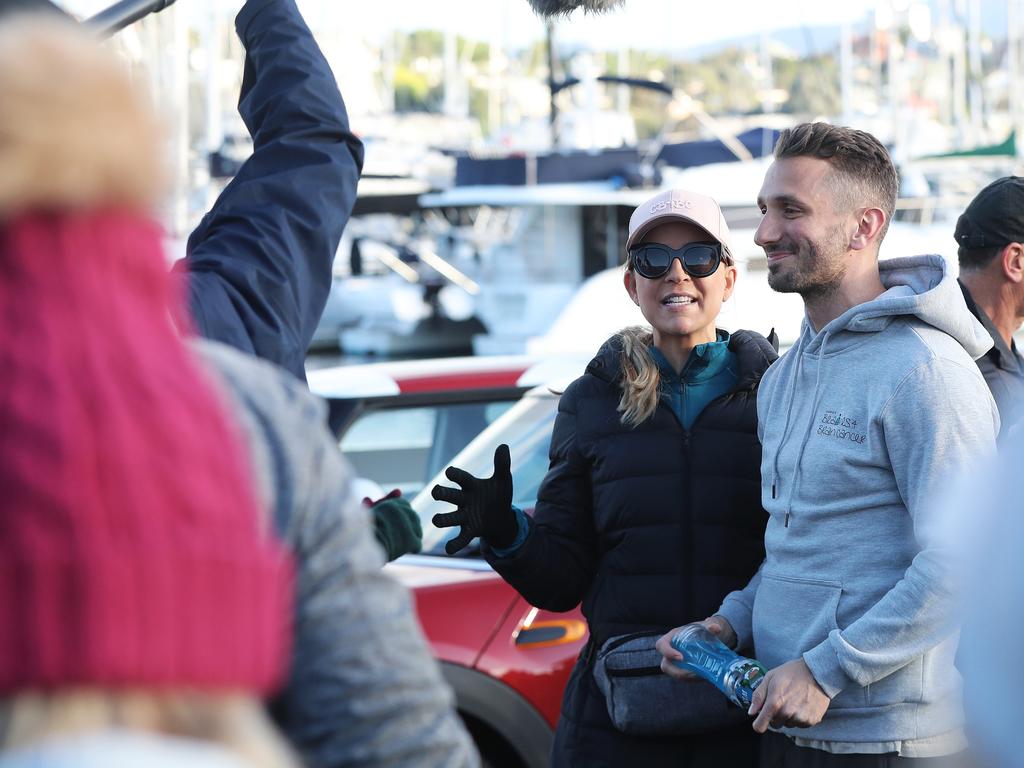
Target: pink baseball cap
(678, 204)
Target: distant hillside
(803, 41)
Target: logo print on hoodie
(835, 424)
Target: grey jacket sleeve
(363, 687)
(940, 419)
(738, 610)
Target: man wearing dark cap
(990, 234)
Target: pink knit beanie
(132, 549)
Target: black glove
(484, 506)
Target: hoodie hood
(915, 286)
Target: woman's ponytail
(641, 379)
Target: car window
(402, 447)
(526, 428)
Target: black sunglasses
(653, 260)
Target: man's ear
(869, 225)
(629, 280)
(1012, 259)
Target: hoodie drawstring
(797, 473)
(790, 394)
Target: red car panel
(459, 609)
(538, 671)
(471, 617)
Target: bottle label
(742, 679)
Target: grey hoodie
(859, 423)
(363, 688)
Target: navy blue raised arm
(259, 263)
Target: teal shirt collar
(705, 362)
(710, 372)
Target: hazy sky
(651, 24)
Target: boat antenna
(552, 55)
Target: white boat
(601, 306)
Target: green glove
(397, 526)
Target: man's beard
(816, 268)
(550, 8)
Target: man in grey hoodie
(878, 401)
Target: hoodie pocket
(791, 616)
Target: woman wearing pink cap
(650, 510)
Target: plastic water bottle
(734, 675)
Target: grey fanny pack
(644, 701)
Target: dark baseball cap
(995, 216)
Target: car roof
(413, 376)
(444, 374)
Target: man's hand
(716, 625)
(789, 696)
(483, 505)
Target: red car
(507, 661)
(401, 424)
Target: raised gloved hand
(484, 505)
(396, 525)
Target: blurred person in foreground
(80, 152)
(145, 601)
(877, 404)
(990, 236)
(649, 510)
(993, 622)
(258, 267)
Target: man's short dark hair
(858, 158)
(977, 258)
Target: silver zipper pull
(787, 521)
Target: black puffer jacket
(650, 527)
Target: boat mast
(549, 28)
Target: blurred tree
(812, 84)
(724, 82)
(413, 91)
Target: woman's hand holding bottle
(716, 625)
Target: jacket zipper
(690, 587)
